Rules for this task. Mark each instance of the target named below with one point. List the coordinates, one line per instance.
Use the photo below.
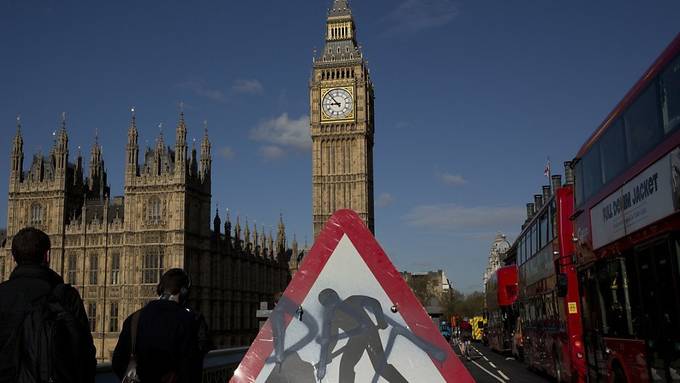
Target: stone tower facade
(114, 249)
(342, 123)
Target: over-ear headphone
(184, 290)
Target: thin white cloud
(463, 218)
(385, 200)
(226, 152)
(284, 132)
(416, 15)
(271, 152)
(247, 86)
(201, 89)
(452, 179)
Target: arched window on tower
(37, 215)
(153, 210)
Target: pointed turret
(237, 233)
(159, 152)
(256, 239)
(61, 148)
(270, 245)
(294, 247)
(132, 148)
(206, 159)
(181, 144)
(17, 157)
(280, 237)
(263, 244)
(246, 237)
(227, 229)
(96, 181)
(217, 222)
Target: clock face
(337, 103)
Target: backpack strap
(133, 333)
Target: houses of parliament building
(114, 249)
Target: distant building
(430, 287)
(499, 247)
(114, 249)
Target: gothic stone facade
(341, 103)
(114, 249)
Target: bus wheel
(618, 376)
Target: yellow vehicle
(478, 323)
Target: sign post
(349, 316)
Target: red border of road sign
(349, 223)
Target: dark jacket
(28, 283)
(167, 341)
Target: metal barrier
(218, 366)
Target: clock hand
(334, 100)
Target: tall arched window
(37, 214)
(153, 210)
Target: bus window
(592, 171)
(579, 198)
(643, 129)
(670, 91)
(613, 150)
(534, 233)
(544, 228)
(552, 229)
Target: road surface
(487, 366)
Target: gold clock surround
(350, 116)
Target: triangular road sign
(349, 316)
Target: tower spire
(17, 153)
(61, 147)
(131, 167)
(340, 8)
(181, 143)
(206, 160)
(237, 232)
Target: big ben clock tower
(341, 119)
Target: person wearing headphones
(165, 341)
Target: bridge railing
(218, 366)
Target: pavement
(487, 366)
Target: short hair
(30, 245)
(172, 282)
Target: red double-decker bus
(548, 287)
(627, 232)
(501, 310)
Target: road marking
(498, 378)
(492, 365)
(503, 375)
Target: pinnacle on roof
(339, 8)
(133, 119)
(18, 126)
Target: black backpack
(48, 342)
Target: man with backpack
(165, 341)
(44, 331)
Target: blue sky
(471, 97)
